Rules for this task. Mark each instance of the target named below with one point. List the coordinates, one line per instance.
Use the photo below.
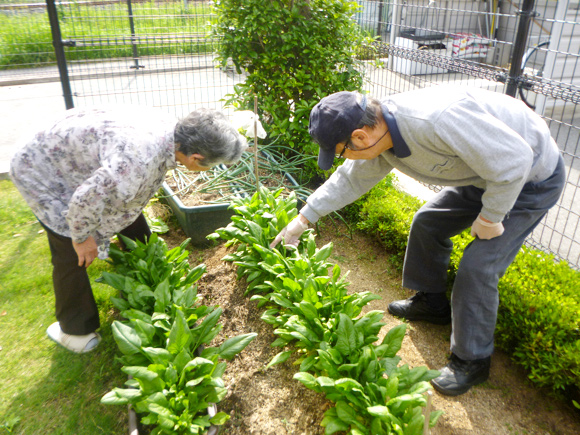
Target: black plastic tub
(201, 220)
(198, 221)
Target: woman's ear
(193, 162)
(198, 158)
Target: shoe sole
(458, 392)
(54, 335)
(434, 320)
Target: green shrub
(295, 53)
(540, 299)
(539, 314)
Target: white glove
(292, 232)
(486, 230)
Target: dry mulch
(271, 402)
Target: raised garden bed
(201, 201)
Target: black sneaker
(459, 375)
(418, 308)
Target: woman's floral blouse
(93, 171)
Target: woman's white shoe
(74, 343)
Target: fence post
(526, 14)
(132, 26)
(59, 52)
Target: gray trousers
(474, 297)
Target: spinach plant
(316, 319)
(165, 339)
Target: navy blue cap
(333, 120)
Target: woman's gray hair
(209, 133)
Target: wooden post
(427, 413)
(256, 141)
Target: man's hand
(86, 251)
(484, 229)
(292, 232)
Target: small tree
(295, 52)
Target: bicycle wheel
(533, 63)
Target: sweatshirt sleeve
(497, 153)
(349, 182)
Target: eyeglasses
(348, 145)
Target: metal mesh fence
(424, 43)
(161, 53)
(157, 53)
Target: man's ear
(360, 134)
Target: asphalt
(30, 96)
(22, 107)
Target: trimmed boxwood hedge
(539, 313)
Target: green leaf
(157, 355)
(308, 363)
(416, 422)
(232, 346)
(347, 384)
(161, 410)
(126, 338)
(309, 292)
(323, 253)
(146, 331)
(121, 396)
(347, 413)
(149, 381)
(308, 380)
(197, 362)
(202, 332)
(179, 335)
(347, 342)
(114, 280)
(219, 419)
(392, 342)
(400, 403)
(120, 303)
(332, 423)
(279, 358)
(380, 411)
(162, 296)
(308, 310)
(195, 274)
(159, 398)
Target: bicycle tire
(531, 57)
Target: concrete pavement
(22, 107)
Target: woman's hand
(86, 251)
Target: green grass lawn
(26, 40)
(47, 389)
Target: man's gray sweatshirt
(451, 136)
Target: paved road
(27, 97)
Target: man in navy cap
(503, 172)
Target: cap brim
(325, 159)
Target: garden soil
(271, 402)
